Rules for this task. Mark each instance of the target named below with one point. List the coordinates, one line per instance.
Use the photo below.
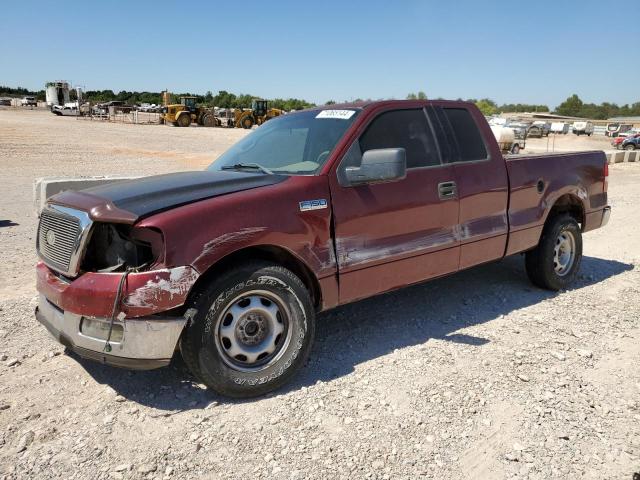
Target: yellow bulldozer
(186, 112)
(257, 115)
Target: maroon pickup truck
(311, 210)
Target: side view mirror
(379, 166)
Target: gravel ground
(478, 375)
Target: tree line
(573, 106)
(221, 99)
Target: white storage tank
(57, 93)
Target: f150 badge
(313, 204)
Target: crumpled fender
(93, 294)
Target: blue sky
(531, 52)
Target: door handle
(447, 190)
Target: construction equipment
(257, 115)
(184, 113)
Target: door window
(406, 129)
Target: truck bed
(539, 180)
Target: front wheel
(555, 262)
(247, 122)
(184, 120)
(630, 146)
(253, 331)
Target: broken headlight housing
(116, 248)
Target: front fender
(202, 233)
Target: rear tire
(208, 120)
(515, 149)
(630, 147)
(555, 262)
(253, 330)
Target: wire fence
(116, 115)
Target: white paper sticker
(342, 114)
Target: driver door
(389, 235)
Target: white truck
(583, 128)
(29, 102)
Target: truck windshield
(298, 143)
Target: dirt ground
(475, 376)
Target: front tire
(247, 122)
(184, 120)
(555, 262)
(253, 331)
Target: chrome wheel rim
(564, 253)
(253, 331)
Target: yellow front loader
(257, 115)
(184, 113)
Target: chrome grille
(60, 236)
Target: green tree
(571, 107)
(487, 106)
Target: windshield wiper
(250, 166)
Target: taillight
(605, 172)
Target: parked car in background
(631, 143)
(539, 129)
(5, 102)
(520, 129)
(148, 108)
(583, 128)
(119, 105)
(628, 133)
(616, 129)
(225, 116)
(29, 102)
(497, 121)
(560, 128)
(67, 110)
(616, 142)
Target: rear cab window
(458, 134)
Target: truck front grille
(60, 235)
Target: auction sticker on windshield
(342, 114)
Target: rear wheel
(208, 120)
(253, 331)
(555, 262)
(630, 146)
(515, 149)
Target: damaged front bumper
(78, 312)
(138, 343)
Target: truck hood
(131, 200)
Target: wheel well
(268, 253)
(568, 204)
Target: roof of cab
(374, 103)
